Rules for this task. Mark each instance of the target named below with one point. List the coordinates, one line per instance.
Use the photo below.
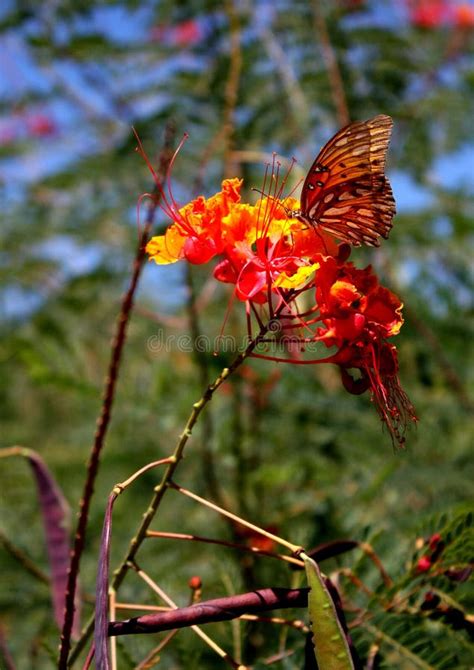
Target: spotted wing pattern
(346, 192)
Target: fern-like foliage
(423, 619)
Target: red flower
(438, 13)
(428, 13)
(353, 304)
(463, 15)
(263, 250)
(196, 233)
(358, 315)
(40, 125)
(186, 33)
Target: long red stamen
(259, 218)
(170, 167)
(164, 206)
(294, 361)
(167, 204)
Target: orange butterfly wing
(346, 192)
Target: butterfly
(345, 191)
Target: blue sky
(76, 104)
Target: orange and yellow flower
(261, 248)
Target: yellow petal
(167, 248)
(298, 278)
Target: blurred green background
(291, 449)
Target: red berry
(424, 564)
(195, 583)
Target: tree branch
(218, 609)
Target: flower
(41, 125)
(352, 302)
(272, 259)
(428, 13)
(358, 315)
(183, 34)
(263, 250)
(463, 15)
(439, 13)
(196, 233)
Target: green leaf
(330, 645)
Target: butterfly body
(346, 192)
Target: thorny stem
(201, 361)
(103, 423)
(163, 486)
(119, 488)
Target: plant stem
(200, 633)
(294, 548)
(103, 423)
(163, 486)
(201, 361)
(224, 543)
(218, 609)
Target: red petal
(225, 272)
(199, 251)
